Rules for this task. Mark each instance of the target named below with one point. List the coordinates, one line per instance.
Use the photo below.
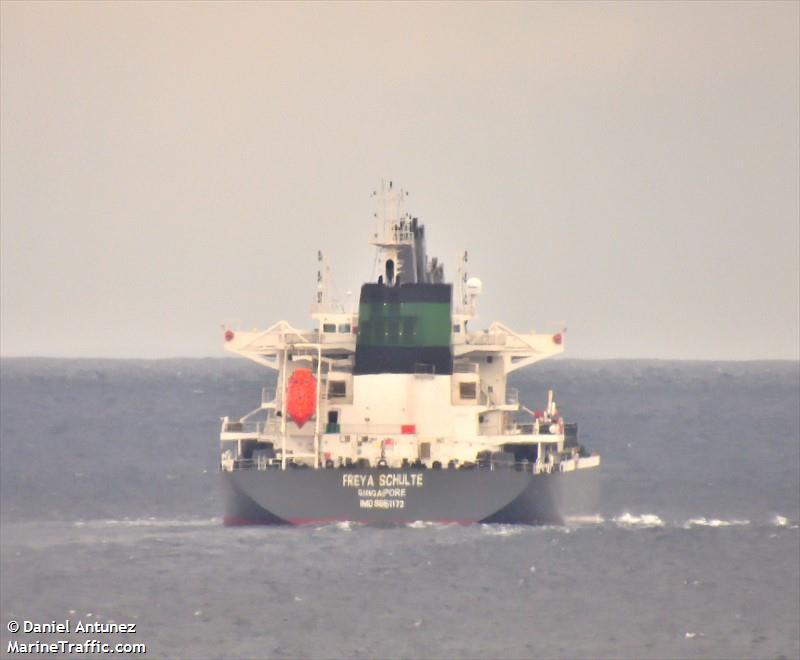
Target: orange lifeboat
(301, 396)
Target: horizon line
(236, 357)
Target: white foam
(780, 521)
(163, 522)
(430, 524)
(342, 526)
(646, 520)
(501, 530)
(596, 519)
(713, 522)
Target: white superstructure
(398, 419)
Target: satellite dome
(474, 286)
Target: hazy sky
(630, 170)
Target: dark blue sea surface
(110, 511)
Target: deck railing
(253, 428)
(536, 467)
(383, 430)
(486, 338)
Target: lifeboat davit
(301, 396)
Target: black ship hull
(388, 497)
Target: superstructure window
(389, 327)
(344, 328)
(467, 390)
(328, 327)
(456, 327)
(379, 331)
(409, 331)
(337, 389)
(392, 330)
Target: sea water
(111, 514)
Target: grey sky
(629, 169)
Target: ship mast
(400, 240)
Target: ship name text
(382, 491)
(383, 481)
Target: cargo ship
(399, 411)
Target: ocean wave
(646, 521)
(424, 524)
(713, 522)
(151, 522)
(595, 519)
(625, 520)
(782, 521)
(502, 530)
(339, 526)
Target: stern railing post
(319, 389)
(283, 410)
